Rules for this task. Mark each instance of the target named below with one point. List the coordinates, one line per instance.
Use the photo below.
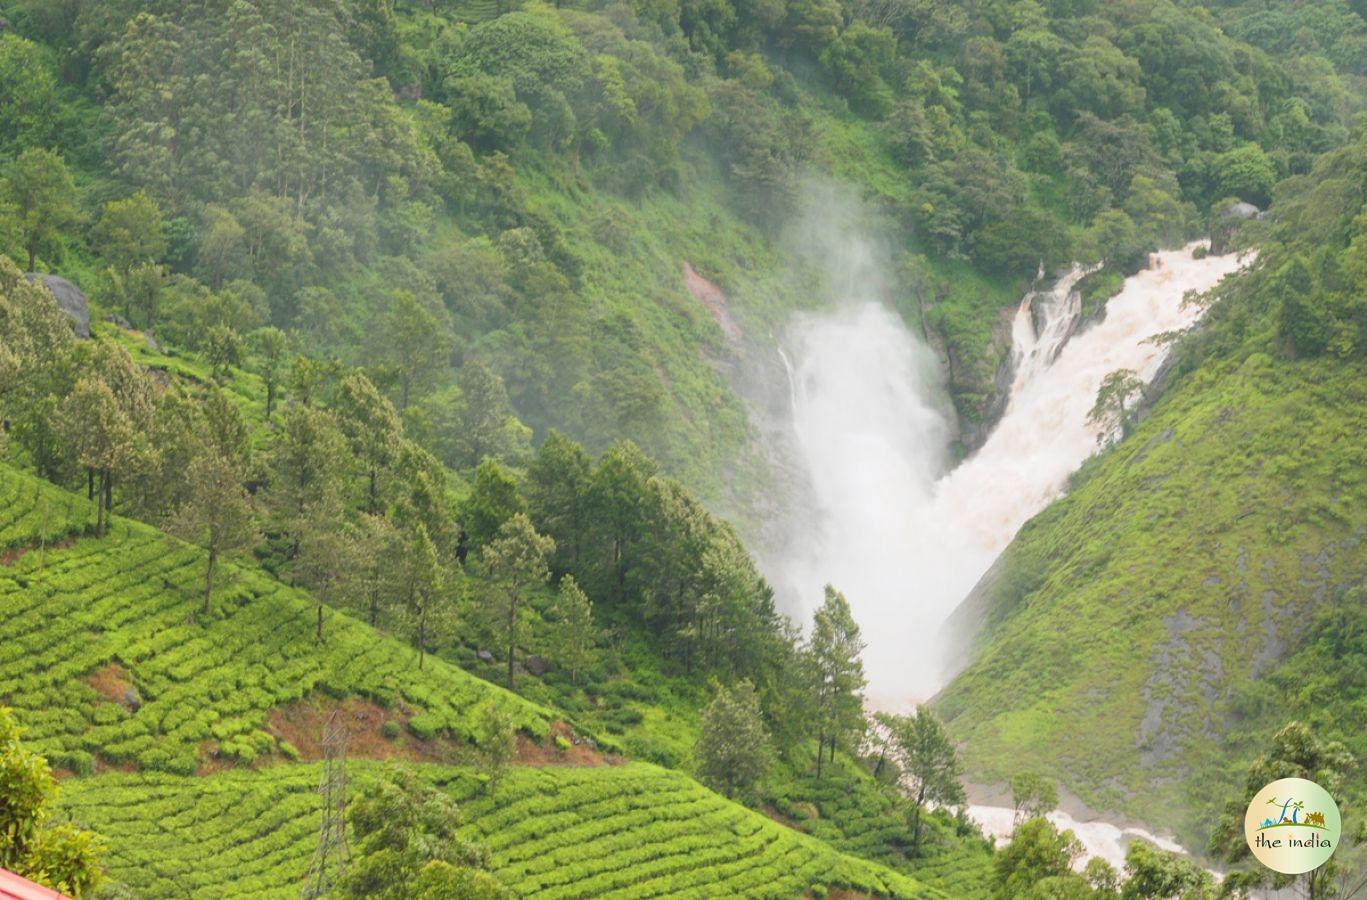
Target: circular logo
(1292, 826)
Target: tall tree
(372, 428)
(513, 564)
(1031, 795)
(573, 637)
(493, 500)
(495, 743)
(929, 760)
(103, 421)
(217, 513)
(837, 672)
(129, 232)
(43, 196)
(427, 587)
(413, 343)
(1111, 411)
(272, 348)
(101, 436)
(32, 844)
(482, 417)
(327, 563)
(615, 510)
(306, 466)
(557, 480)
(733, 751)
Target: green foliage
(496, 745)
(129, 232)
(407, 845)
(57, 855)
(573, 639)
(512, 564)
(41, 197)
(1128, 552)
(1036, 860)
(28, 94)
(1161, 873)
(629, 829)
(1294, 752)
(1032, 796)
(1109, 412)
(733, 752)
(928, 760)
(836, 674)
(135, 595)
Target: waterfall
(901, 534)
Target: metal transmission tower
(332, 855)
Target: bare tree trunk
(512, 632)
(99, 506)
(916, 822)
(422, 636)
(209, 577)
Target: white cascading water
(904, 540)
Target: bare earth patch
(578, 754)
(112, 683)
(711, 297)
(14, 554)
(301, 724)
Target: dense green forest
(397, 400)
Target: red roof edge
(13, 887)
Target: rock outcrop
(70, 299)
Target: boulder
(70, 300)
(132, 699)
(537, 665)
(485, 656)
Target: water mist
(882, 516)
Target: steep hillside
(622, 831)
(108, 660)
(1201, 584)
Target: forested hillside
(405, 383)
(1202, 583)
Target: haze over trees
(388, 317)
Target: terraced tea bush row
(640, 831)
(33, 511)
(643, 831)
(851, 814)
(130, 605)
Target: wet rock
(537, 665)
(1225, 223)
(70, 300)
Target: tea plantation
(129, 605)
(110, 663)
(624, 831)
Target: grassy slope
(1126, 623)
(133, 599)
(634, 830)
